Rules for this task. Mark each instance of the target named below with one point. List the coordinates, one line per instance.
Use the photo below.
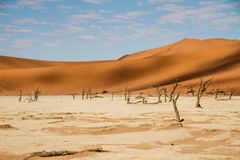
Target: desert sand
(126, 131)
(104, 128)
(187, 61)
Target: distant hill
(187, 60)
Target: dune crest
(186, 60)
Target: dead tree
(165, 94)
(216, 91)
(20, 95)
(140, 96)
(36, 94)
(89, 94)
(201, 90)
(73, 95)
(230, 93)
(46, 154)
(144, 100)
(128, 96)
(125, 93)
(175, 85)
(83, 93)
(191, 90)
(174, 100)
(159, 94)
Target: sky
(87, 30)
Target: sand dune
(186, 60)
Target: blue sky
(80, 30)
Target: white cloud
(95, 27)
(213, 14)
(24, 42)
(130, 15)
(85, 17)
(4, 14)
(164, 1)
(224, 23)
(87, 37)
(2, 39)
(140, 3)
(31, 21)
(73, 28)
(6, 5)
(12, 28)
(95, 1)
(65, 7)
(55, 43)
(170, 7)
(105, 11)
(35, 4)
(32, 4)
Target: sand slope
(186, 60)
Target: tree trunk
(125, 94)
(128, 100)
(198, 102)
(159, 98)
(230, 96)
(216, 95)
(87, 95)
(176, 111)
(20, 96)
(170, 98)
(83, 94)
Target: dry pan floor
(136, 131)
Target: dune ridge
(187, 61)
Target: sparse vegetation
(62, 153)
(140, 96)
(104, 92)
(175, 85)
(191, 90)
(73, 95)
(125, 93)
(216, 92)
(20, 95)
(37, 93)
(230, 93)
(83, 93)
(159, 94)
(201, 90)
(128, 95)
(174, 100)
(89, 94)
(165, 94)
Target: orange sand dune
(186, 60)
(13, 62)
